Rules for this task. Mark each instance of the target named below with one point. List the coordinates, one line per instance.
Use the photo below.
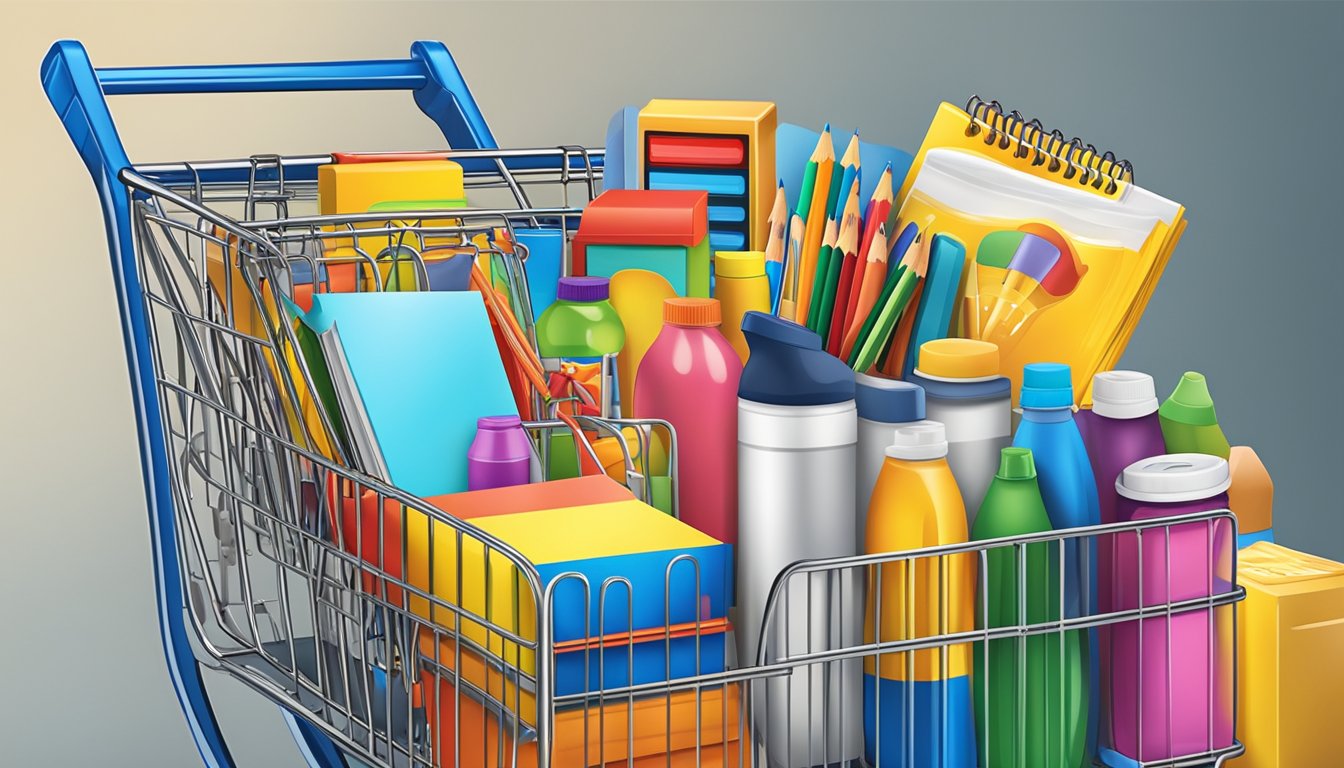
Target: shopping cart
(394, 634)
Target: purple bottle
(500, 455)
(1172, 673)
(1121, 428)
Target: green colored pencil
(810, 175)
(886, 321)
(866, 330)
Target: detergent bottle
(1189, 422)
(916, 504)
(689, 377)
(1030, 707)
(578, 335)
(797, 429)
(965, 393)
(1069, 490)
(884, 405)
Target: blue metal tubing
(77, 92)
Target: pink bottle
(689, 377)
(1171, 678)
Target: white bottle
(797, 432)
(883, 405)
(964, 391)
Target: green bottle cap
(1016, 464)
(1190, 403)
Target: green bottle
(1189, 423)
(1037, 686)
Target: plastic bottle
(1121, 428)
(500, 455)
(1171, 691)
(884, 405)
(964, 391)
(689, 377)
(1189, 422)
(1069, 490)
(741, 286)
(917, 504)
(581, 327)
(574, 335)
(797, 430)
(1032, 721)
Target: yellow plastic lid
(1270, 563)
(959, 359)
(739, 263)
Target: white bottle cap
(921, 441)
(1175, 477)
(1123, 394)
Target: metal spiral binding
(1071, 158)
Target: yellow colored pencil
(815, 224)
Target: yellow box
(1290, 658)
(414, 184)
(754, 120)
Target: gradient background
(1230, 109)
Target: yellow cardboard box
(1290, 658)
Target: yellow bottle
(741, 286)
(915, 504)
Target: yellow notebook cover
(1098, 243)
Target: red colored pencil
(879, 207)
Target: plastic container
(581, 327)
(797, 431)
(883, 405)
(741, 286)
(1171, 677)
(1251, 496)
(1024, 718)
(1069, 490)
(916, 504)
(500, 455)
(1189, 421)
(1121, 428)
(964, 391)
(689, 377)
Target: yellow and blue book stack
(637, 596)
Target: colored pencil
(814, 222)
(874, 275)
(879, 207)
(842, 256)
(823, 268)
(849, 171)
(868, 349)
(788, 296)
(774, 245)
(890, 267)
(891, 362)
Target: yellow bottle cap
(739, 263)
(959, 359)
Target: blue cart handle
(78, 92)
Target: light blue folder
(545, 260)
(426, 366)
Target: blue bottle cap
(787, 365)
(888, 400)
(1046, 385)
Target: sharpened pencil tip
(888, 168)
(856, 131)
(827, 129)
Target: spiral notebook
(1063, 250)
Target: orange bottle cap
(692, 312)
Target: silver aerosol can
(797, 434)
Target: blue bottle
(1069, 490)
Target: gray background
(1231, 109)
